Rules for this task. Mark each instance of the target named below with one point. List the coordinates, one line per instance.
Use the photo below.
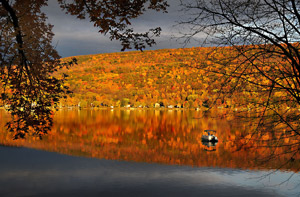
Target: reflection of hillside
(170, 137)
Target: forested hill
(139, 79)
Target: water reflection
(28, 172)
(209, 146)
(153, 136)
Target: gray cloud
(79, 37)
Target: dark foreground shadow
(28, 172)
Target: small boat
(209, 136)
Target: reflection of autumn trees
(169, 136)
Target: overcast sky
(79, 37)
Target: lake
(141, 152)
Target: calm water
(139, 153)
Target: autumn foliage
(184, 78)
(167, 77)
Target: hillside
(166, 77)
